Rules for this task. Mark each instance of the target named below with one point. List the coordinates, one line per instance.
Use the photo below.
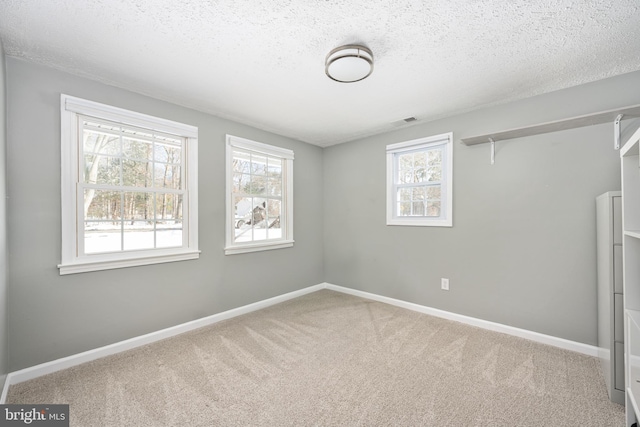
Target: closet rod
(557, 125)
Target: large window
(259, 196)
(129, 188)
(419, 182)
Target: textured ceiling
(261, 62)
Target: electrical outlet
(444, 284)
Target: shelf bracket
(616, 131)
(493, 150)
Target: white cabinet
(633, 365)
(630, 169)
(610, 291)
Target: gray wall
(521, 252)
(3, 224)
(53, 316)
(522, 249)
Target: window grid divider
(155, 131)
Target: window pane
(404, 208)
(433, 192)
(417, 194)
(142, 213)
(241, 162)
(168, 206)
(138, 235)
(136, 173)
(274, 167)
(259, 213)
(435, 157)
(273, 219)
(275, 187)
(242, 225)
(168, 153)
(418, 209)
(100, 204)
(241, 183)
(167, 176)
(258, 185)
(100, 143)
(169, 234)
(434, 174)
(100, 169)
(138, 206)
(102, 237)
(135, 149)
(404, 194)
(275, 233)
(419, 167)
(258, 164)
(433, 208)
(243, 206)
(274, 172)
(259, 219)
(405, 168)
(244, 234)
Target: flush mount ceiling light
(348, 64)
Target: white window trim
(287, 156)
(447, 179)
(71, 262)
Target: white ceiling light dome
(349, 63)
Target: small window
(419, 182)
(129, 188)
(259, 196)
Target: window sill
(256, 247)
(88, 266)
(420, 223)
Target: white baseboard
(587, 349)
(87, 356)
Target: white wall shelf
(630, 170)
(631, 147)
(557, 125)
(633, 365)
(632, 233)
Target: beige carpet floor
(329, 359)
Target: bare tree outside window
(133, 188)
